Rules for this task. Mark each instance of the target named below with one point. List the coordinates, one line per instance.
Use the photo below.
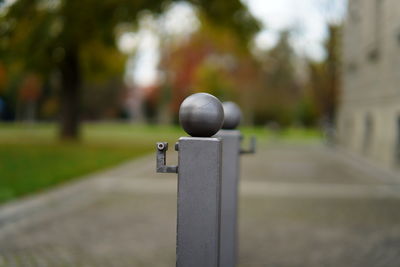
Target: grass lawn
(32, 158)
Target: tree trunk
(70, 95)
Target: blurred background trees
(58, 39)
(62, 61)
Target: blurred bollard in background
(230, 183)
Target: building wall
(369, 113)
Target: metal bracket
(252, 148)
(162, 148)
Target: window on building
(349, 125)
(398, 35)
(347, 131)
(351, 67)
(368, 133)
(354, 10)
(374, 48)
(397, 148)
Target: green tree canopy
(48, 35)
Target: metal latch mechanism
(251, 149)
(162, 148)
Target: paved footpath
(301, 205)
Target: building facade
(369, 113)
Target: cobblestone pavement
(301, 205)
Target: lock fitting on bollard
(162, 148)
(251, 149)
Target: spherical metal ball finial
(201, 115)
(233, 115)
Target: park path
(301, 205)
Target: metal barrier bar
(199, 181)
(199, 185)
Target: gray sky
(307, 18)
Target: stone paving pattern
(129, 218)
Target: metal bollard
(199, 181)
(231, 148)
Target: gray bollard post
(231, 139)
(199, 181)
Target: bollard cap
(201, 115)
(233, 115)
